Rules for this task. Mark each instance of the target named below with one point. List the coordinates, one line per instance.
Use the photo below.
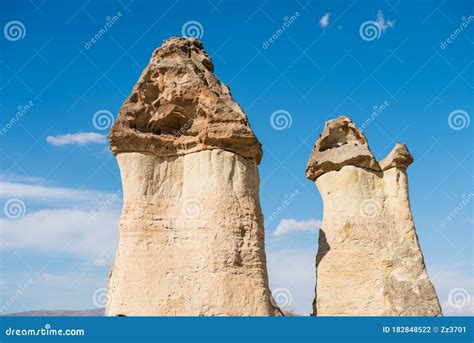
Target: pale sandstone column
(369, 261)
(191, 229)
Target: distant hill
(69, 313)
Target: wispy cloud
(382, 23)
(26, 191)
(291, 226)
(73, 289)
(79, 138)
(324, 22)
(81, 233)
(71, 220)
(454, 285)
(20, 178)
(462, 305)
(84, 229)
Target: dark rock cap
(179, 106)
(399, 157)
(341, 144)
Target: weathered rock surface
(399, 157)
(178, 106)
(352, 149)
(191, 229)
(369, 261)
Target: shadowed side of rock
(191, 228)
(369, 261)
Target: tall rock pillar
(369, 261)
(191, 228)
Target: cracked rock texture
(178, 106)
(369, 261)
(191, 229)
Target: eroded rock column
(191, 229)
(369, 261)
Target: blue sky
(320, 66)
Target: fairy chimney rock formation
(369, 261)
(191, 229)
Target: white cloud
(82, 233)
(290, 226)
(382, 23)
(456, 280)
(294, 270)
(465, 307)
(85, 223)
(324, 22)
(30, 191)
(80, 138)
(84, 230)
(101, 261)
(72, 290)
(20, 178)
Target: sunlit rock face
(191, 229)
(369, 261)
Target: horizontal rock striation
(191, 229)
